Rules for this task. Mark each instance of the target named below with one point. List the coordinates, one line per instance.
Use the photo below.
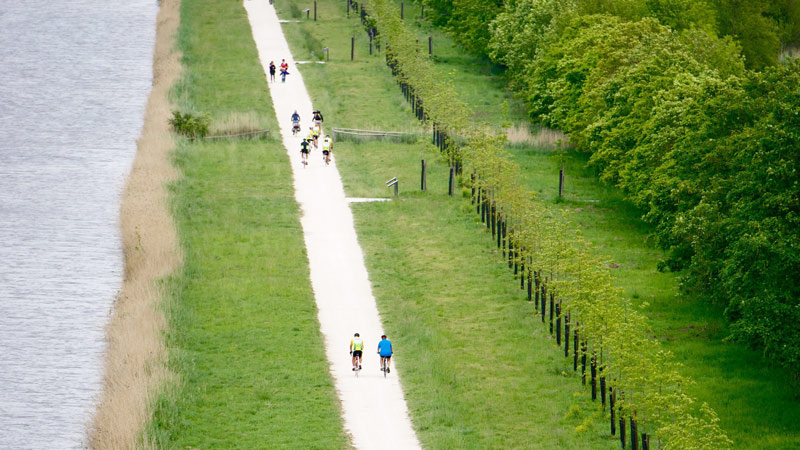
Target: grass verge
(406, 241)
(243, 335)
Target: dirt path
(374, 409)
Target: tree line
(684, 105)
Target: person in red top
(284, 65)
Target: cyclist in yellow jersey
(327, 148)
(356, 349)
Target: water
(74, 77)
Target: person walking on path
(272, 71)
(385, 352)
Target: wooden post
(594, 375)
(430, 45)
(530, 271)
(402, 10)
(536, 280)
(521, 258)
(348, 9)
(552, 310)
(575, 349)
(622, 431)
(544, 300)
(612, 395)
(645, 441)
(315, 10)
(634, 435)
(370, 42)
(602, 388)
(423, 185)
(352, 48)
(451, 187)
(501, 234)
(561, 182)
(558, 323)
(583, 362)
(566, 335)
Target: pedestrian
(272, 71)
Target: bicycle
(357, 365)
(385, 365)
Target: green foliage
(189, 125)
(704, 147)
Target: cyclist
(295, 123)
(311, 138)
(315, 131)
(356, 349)
(327, 148)
(385, 352)
(317, 117)
(304, 148)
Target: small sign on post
(326, 50)
(393, 183)
(307, 11)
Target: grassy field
(442, 290)
(244, 336)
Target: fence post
(348, 9)
(422, 182)
(558, 323)
(612, 395)
(622, 431)
(430, 45)
(575, 348)
(594, 375)
(566, 336)
(315, 10)
(370, 42)
(583, 361)
(530, 271)
(451, 183)
(560, 182)
(352, 48)
(552, 311)
(634, 435)
(402, 10)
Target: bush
(191, 126)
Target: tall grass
(136, 358)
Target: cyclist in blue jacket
(385, 352)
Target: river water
(74, 78)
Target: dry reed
(542, 138)
(238, 122)
(136, 357)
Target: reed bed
(135, 361)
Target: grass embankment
(444, 292)
(136, 357)
(473, 374)
(243, 330)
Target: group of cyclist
(313, 137)
(384, 351)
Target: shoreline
(135, 361)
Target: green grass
(438, 284)
(244, 336)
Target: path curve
(374, 409)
